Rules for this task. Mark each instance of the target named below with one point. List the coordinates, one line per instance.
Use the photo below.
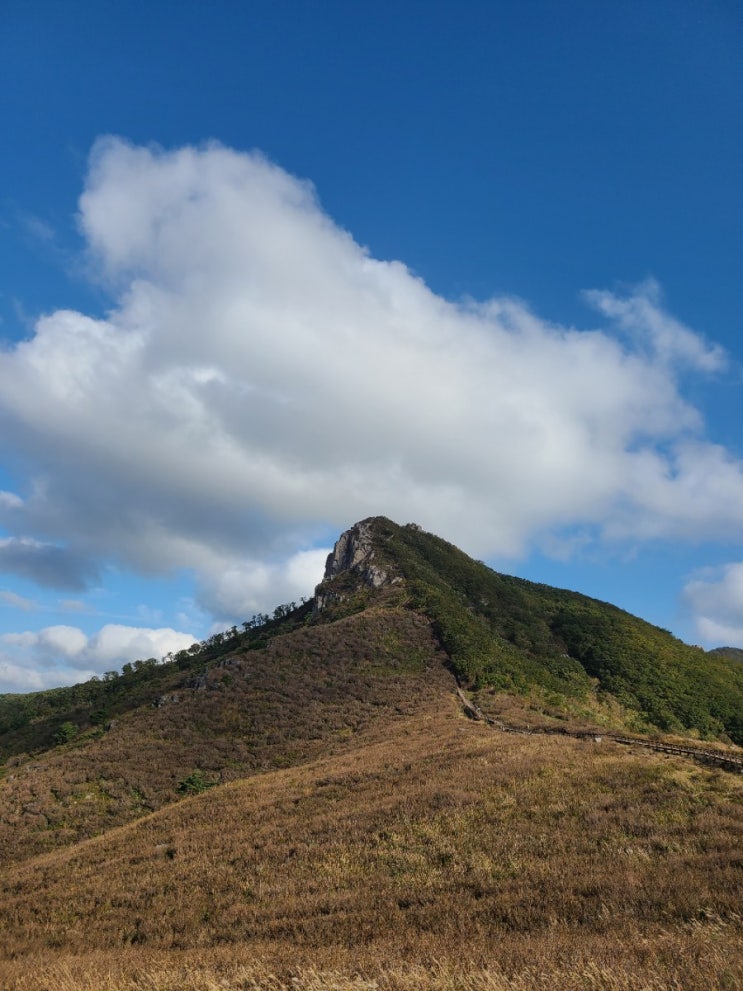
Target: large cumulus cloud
(261, 381)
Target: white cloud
(244, 589)
(689, 493)
(716, 634)
(17, 678)
(261, 381)
(114, 644)
(715, 597)
(68, 641)
(65, 654)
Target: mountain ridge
(499, 633)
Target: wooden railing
(728, 761)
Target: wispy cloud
(640, 314)
(18, 601)
(38, 229)
(74, 605)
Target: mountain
(512, 635)
(430, 765)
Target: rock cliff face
(353, 552)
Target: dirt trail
(726, 761)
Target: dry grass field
(432, 852)
(304, 695)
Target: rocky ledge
(354, 551)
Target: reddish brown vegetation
(305, 694)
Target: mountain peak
(509, 634)
(355, 553)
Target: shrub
(195, 784)
(65, 733)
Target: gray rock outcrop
(354, 551)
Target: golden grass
(306, 695)
(189, 973)
(433, 853)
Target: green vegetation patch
(515, 635)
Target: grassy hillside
(435, 853)
(78, 761)
(301, 804)
(301, 694)
(513, 635)
(40, 720)
(498, 631)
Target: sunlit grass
(440, 855)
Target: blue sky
(269, 268)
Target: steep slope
(514, 635)
(397, 610)
(301, 694)
(40, 720)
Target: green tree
(66, 732)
